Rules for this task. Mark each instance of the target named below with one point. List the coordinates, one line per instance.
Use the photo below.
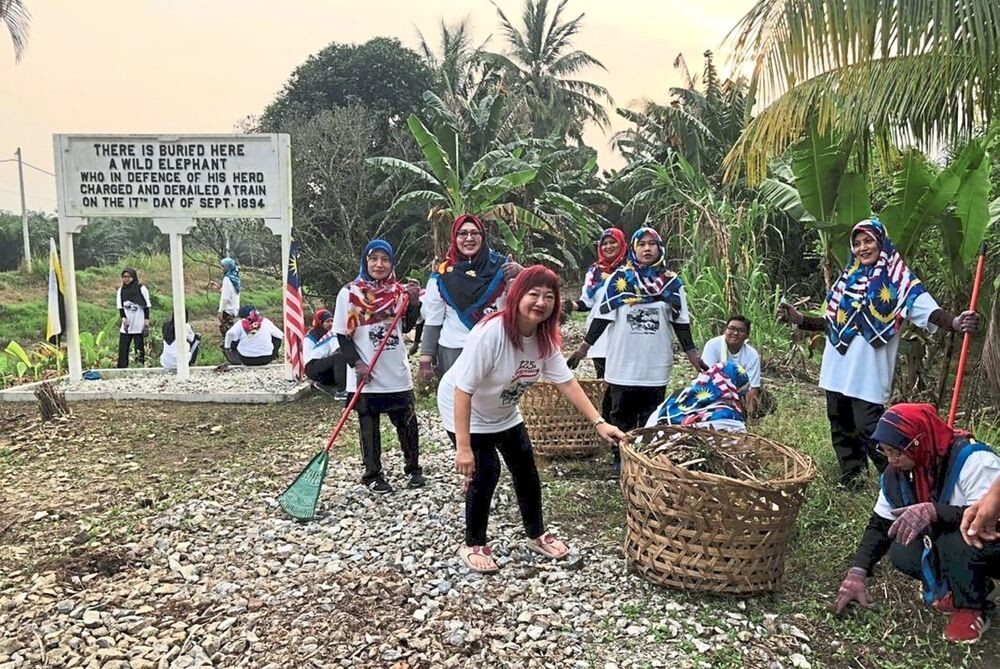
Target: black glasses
(463, 234)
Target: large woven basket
(710, 532)
(556, 428)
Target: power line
(25, 162)
(36, 197)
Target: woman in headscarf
(712, 400)
(611, 252)
(229, 295)
(478, 401)
(467, 286)
(321, 352)
(635, 305)
(934, 473)
(253, 340)
(864, 312)
(168, 358)
(133, 307)
(365, 308)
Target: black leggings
(969, 571)
(599, 366)
(852, 422)
(515, 447)
(330, 371)
(399, 407)
(124, 341)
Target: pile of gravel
(267, 379)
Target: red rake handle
(404, 304)
(966, 339)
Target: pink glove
(911, 521)
(511, 269)
(362, 372)
(425, 372)
(413, 290)
(852, 589)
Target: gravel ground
(225, 579)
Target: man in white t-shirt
(733, 345)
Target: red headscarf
(603, 267)
(901, 424)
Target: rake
(300, 498)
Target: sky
(202, 66)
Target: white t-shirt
(717, 351)
(168, 359)
(496, 374)
(599, 349)
(641, 343)
(229, 299)
(977, 475)
(134, 314)
(392, 373)
(324, 348)
(865, 372)
(253, 345)
(435, 311)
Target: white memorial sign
(173, 179)
(158, 176)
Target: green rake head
(300, 499)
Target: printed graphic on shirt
(377, 332)
(527, 372)
(643, 321)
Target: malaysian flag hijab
(870, 301)
(603, 267)
(635, 283)
(372, 300)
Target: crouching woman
(478, 400)
(934, 473)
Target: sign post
(174, 180)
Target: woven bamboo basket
(710, 532)
(556, 428)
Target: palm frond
(17, 18)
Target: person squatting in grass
(229, 294)
(713, 400)
(635, 305)
(611, 251)
(467, 286)
(864, 313)
(478, 402)
(168, 358)
(253, 340)
(325, 364)
(732, 345)
(934, 472)
(133, 304)
(362, 315)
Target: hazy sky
(200, 66)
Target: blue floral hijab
(870, 301)
(635, 283)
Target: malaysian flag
(295, 330)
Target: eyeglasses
(894, 453)
(471, 234)
(730, 328)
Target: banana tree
(486, 179)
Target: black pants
(125, 340)
(515, 447)
(599, 366)
(852, 422)
(329, 371)
(968, 570)
(400, 409)
(236, 358)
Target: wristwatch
(599, 421)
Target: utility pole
(24, 213)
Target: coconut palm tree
(540, 62)
(893, 71)
(456, 62)
(15, 16)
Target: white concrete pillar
(72, 324)
(176, 228)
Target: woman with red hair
(465, 288)
(934, 473)
(478, 401)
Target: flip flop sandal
(548, 539)
(465, 552)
